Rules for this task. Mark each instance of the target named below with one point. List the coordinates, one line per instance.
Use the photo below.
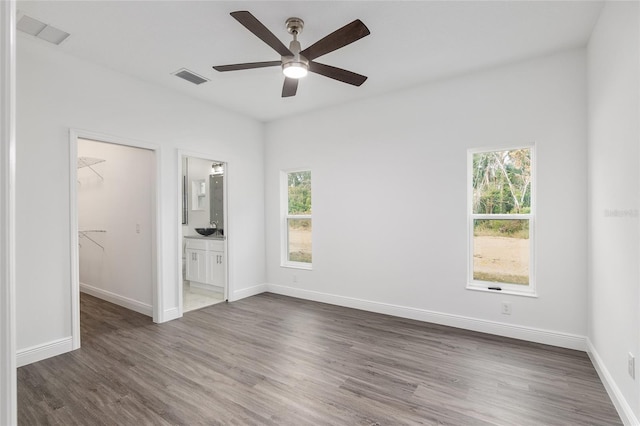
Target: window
(501, 220)
(296, 225)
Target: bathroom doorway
(114, 211)
(203, 232)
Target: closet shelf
(83, 234)
(88, 162)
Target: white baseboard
(206, 287)
(134, 305)
(624, 409)
(170, 314)
(250, 291)
(47, 350)
(554, 338)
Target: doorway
(203, 232)
(114, 208)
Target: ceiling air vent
(38, 29)
(190, 76)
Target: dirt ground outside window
(501, 259)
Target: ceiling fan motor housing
(294, 27)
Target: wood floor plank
(274, 360)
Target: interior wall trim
(547, 337)
(157, 220)
(228, 228)
(171, 314)
(248, 292)
(116, 299)
(617, 397)
(46, 350)
(8, 392)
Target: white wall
(614, 198)
(389, 197)
(122, 204)
(57, 92)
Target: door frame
(180, 237)
(156, 218)
(8, 390)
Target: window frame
(284, 220)
(529, 290)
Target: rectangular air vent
(190, 76)
(38, 29)
(30, 26)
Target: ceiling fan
(296, 62)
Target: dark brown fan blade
(256, 27)
(290, 87)
(337, 73)
(337, 39)
(247, 66)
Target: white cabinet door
(217, 268)
(192, 266)
(196, 266)
(211, 264)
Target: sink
(205, 231)
(210, 231)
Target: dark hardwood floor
(271, 359)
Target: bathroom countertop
(210, 237)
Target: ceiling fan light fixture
(296, 66)
(295, 69)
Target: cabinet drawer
(215, 245)
(198, 244)
(193, 243)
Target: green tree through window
(299, 189)
(502, 182)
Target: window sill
(503, 291)
(297, 265)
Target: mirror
(216, 197)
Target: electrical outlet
(295, 278)
(631, 365)
(506, 308)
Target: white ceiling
(411, 42)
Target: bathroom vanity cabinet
(205, 261)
